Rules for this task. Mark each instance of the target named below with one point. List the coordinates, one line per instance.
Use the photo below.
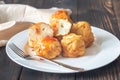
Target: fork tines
(17, 50)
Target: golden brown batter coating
(48, 48)
(84, 28)
(73, 45)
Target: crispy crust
(84, 28)
(48, 48)
(73, 45)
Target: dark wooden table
(104, 14)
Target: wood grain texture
(104, 14)
(116, 8)
(28, 74)
(8, 69)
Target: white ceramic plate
(105, 49)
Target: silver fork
(22, 54)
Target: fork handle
(68, 66)
(56, 63)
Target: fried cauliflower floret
(48, 48)
(60, 22)
(39, 31)
(83, 28)
(73, 45)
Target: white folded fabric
(12, 13)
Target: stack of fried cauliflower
(60, 37)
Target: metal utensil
(22, 54)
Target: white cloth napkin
(12, 14)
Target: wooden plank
(116, 8)
(35, 3)
(8, 69)
(100, 14)
(28, 74)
